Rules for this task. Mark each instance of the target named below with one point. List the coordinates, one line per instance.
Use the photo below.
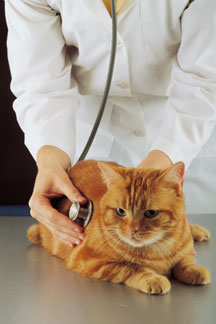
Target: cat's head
(141, 207)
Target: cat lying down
(138, 233)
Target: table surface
(36, 288)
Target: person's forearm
(48, 155)
(157, 160)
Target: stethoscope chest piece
(81, 214)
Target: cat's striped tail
(33, 234)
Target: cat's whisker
(108, 241)
(158, 250)
(166, 246)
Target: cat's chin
(142, 242)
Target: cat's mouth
(140, 242)
(133, 238)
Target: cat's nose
(133, 231)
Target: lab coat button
(138, 132)
(122, 84)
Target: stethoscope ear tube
(108, 83)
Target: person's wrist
(157, 160)
(49, 155)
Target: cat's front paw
(155, 285)
(194, 275)
(199, 233)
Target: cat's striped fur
(131, 248)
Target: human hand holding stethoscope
(53, 181)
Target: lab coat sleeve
(47, 96)
(190, 113)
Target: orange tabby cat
(138, 233)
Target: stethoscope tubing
(107, 85)
(78, 214)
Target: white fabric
(163, 93)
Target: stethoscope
(81, 214)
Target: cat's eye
(120, 212)
(151, 213)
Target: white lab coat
(163, 92)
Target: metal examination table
(36, 288)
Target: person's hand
(156, 160)
(53, 181)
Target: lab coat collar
(100, 12)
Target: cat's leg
(199, 233)
(187, 271)
(149, 282)
(143, 279)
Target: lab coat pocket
(101, 145)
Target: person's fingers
(70, 191)
(71, 245)
(72, 242)
(68, 243)
(69, 236)
(42, 210)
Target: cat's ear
(109, 175)
(175, 174)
